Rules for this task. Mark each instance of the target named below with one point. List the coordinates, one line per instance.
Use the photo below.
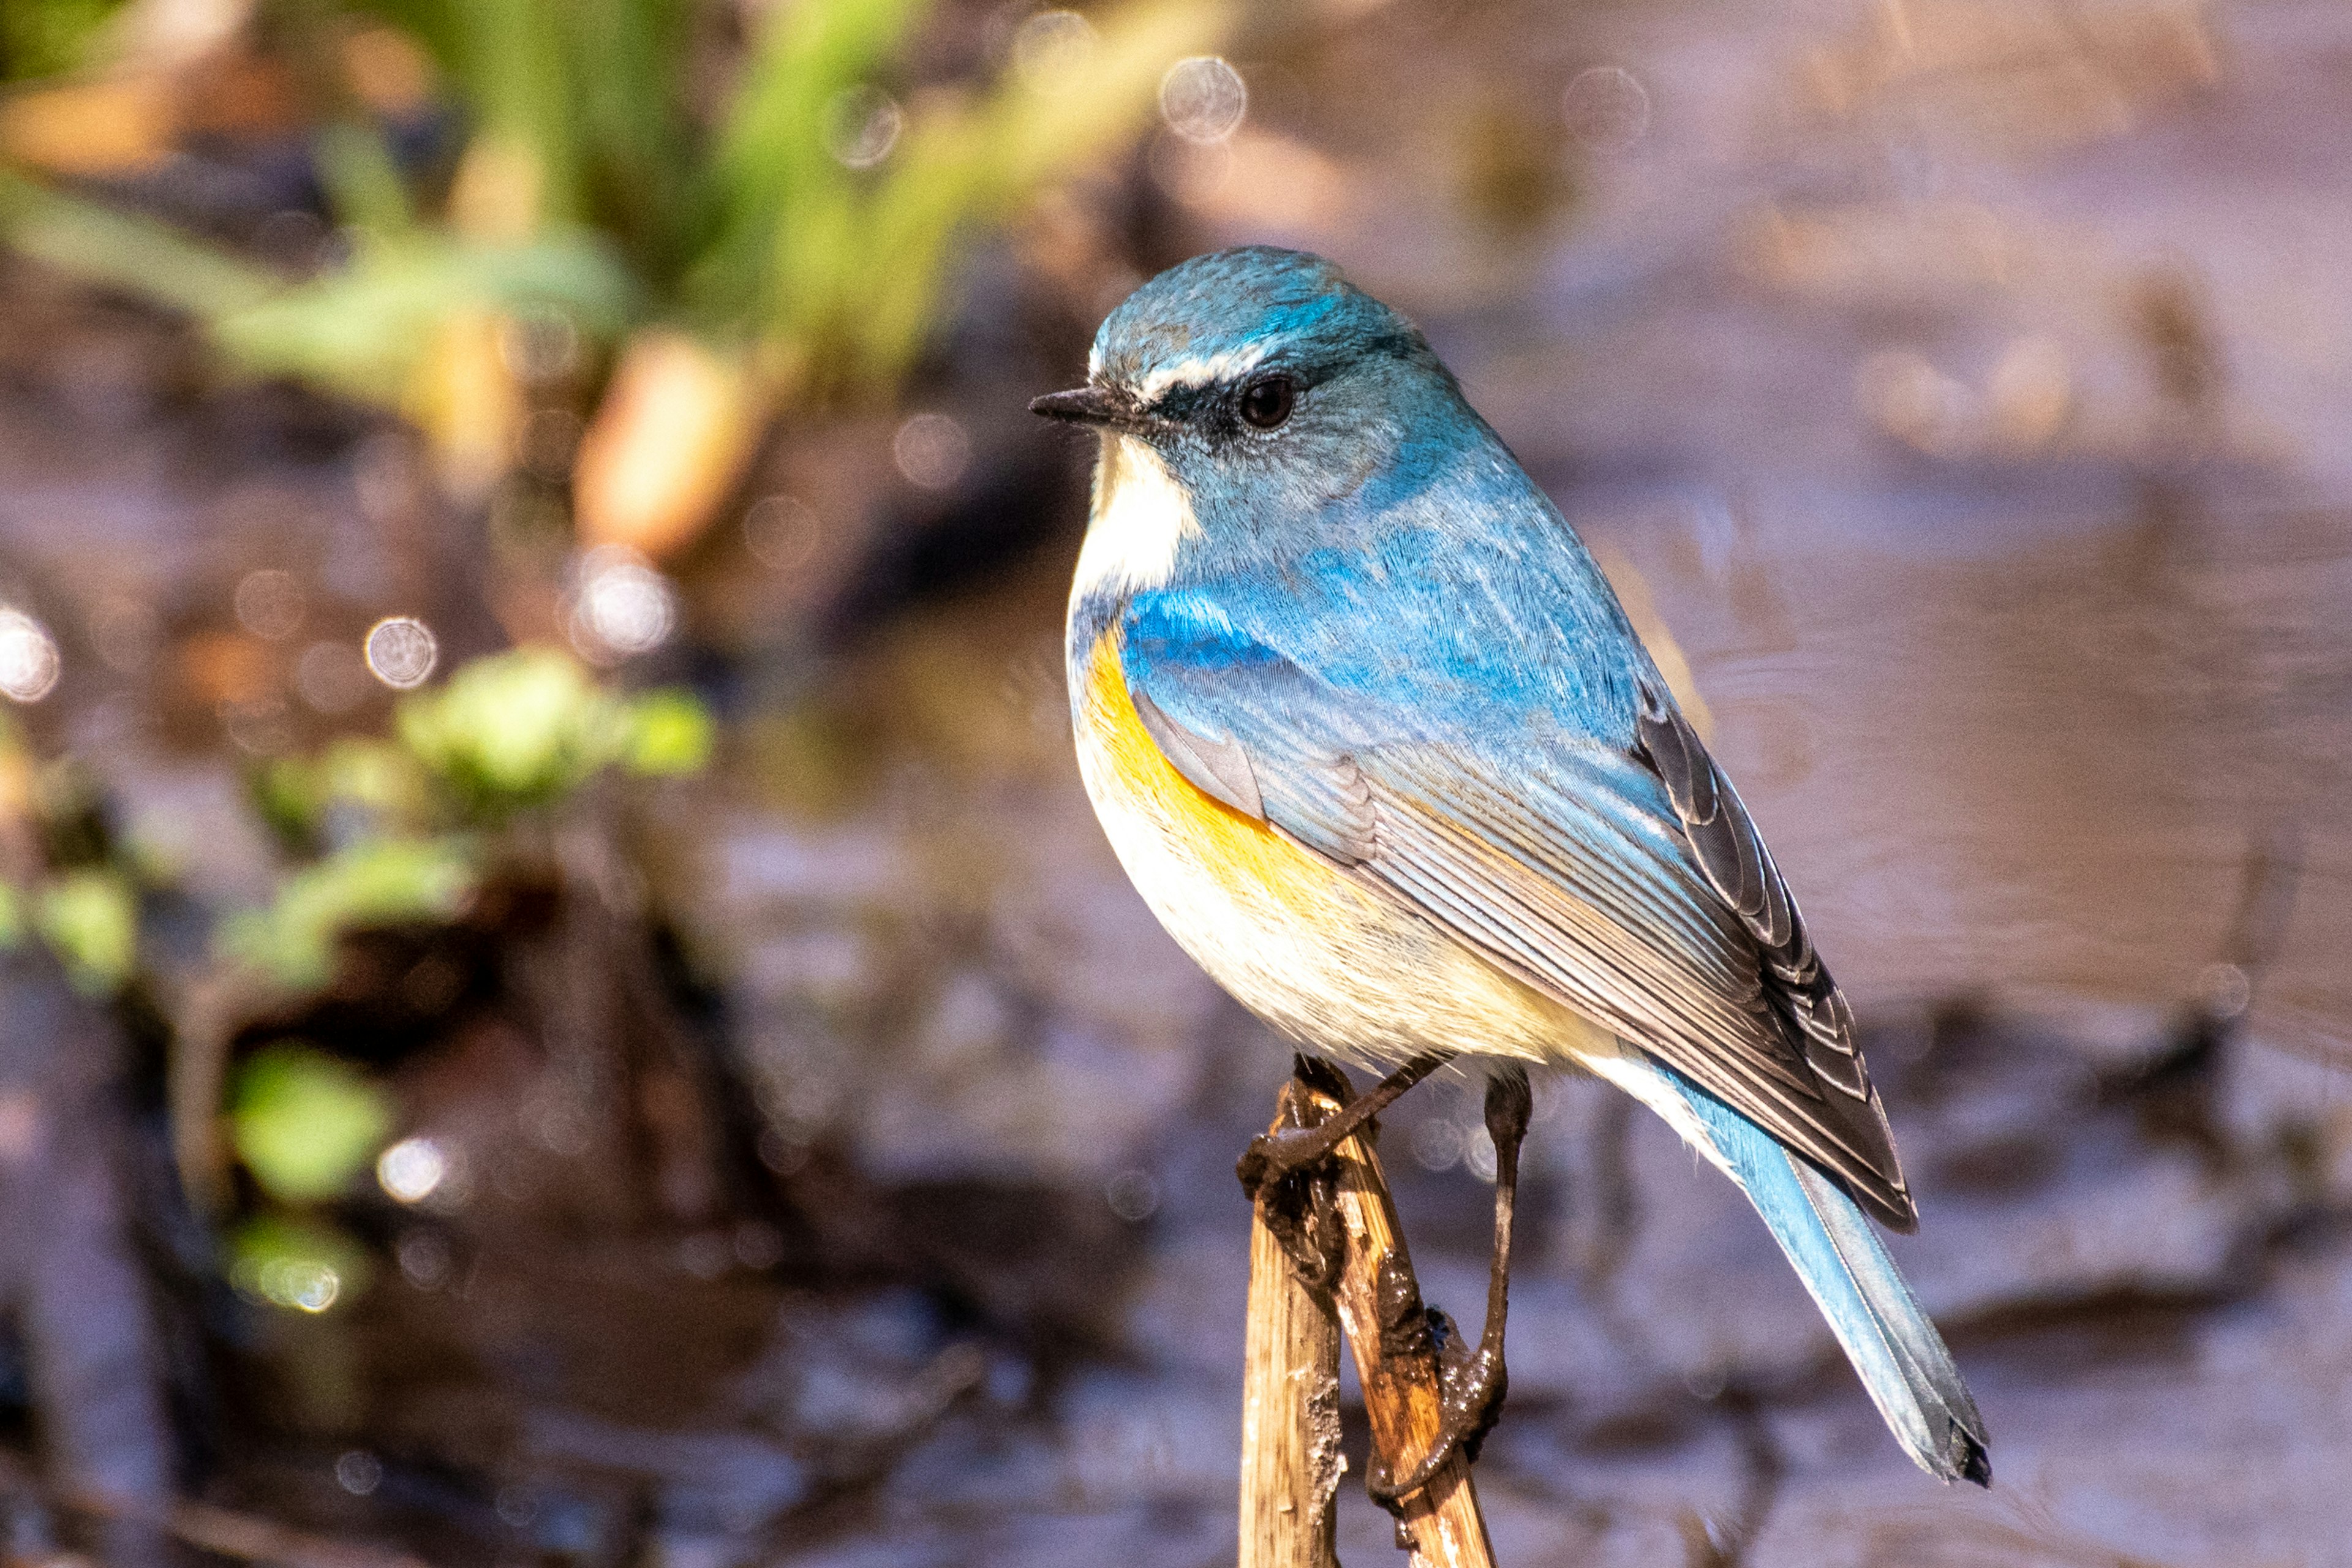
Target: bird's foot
(1274, 1155)
(1472, 1383)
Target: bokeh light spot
(1437, 1145)
(1607, 108)
(28, 657)
(331, 677)
(931, 450)
(1479, 1154)
(1133, 1196)
(1052, 47)
(1204, 98)
(782, 532)
(412, 1170)
(622, 607)
(269, 604)
(123, 629)
(359, 1472)
(425, 1259)
(861, 125)
(401, 652)
(539, 346)
(304, 1284)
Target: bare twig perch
(1291, 1459)
(1344, 1229)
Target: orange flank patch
(1247, 856)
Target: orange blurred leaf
(676, 427)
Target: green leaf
(377, 881)
(91, 920)
(772, 170)
(12, 918)
(306, 1123)
(670, 733)
(288, 793)
(515, 729)
(298, 1264)
(381, 778)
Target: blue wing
(1503, 759)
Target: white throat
(1142, 514)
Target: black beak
(1086, 406)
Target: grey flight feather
(1729, 851)
(1218, 769)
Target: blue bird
(1371, 733)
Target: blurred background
(560, 999)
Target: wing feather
(1628, 882)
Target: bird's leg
(1470, 1383)
(1273, 1155)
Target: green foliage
(843, 274)
(362, 331)
(49, 38)
(374, 882)
(783, 203)
(517, 729)
(306, 1123)
(138, 254)
(299, 1264)
(90, 920)
(509, 732)
(527, 728)
(12, 918)
(753, 231)
(670, 733)
(356, 786)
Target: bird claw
(1473, 1382)
(1472, 1385)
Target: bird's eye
(1267, 401)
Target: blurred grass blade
(135, 254)
(860, 277)
(364, 331)
(628, 59)
(773, 168)
(507, 58)
(364, 185)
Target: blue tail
(1892, 1344)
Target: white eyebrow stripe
(1205, 370)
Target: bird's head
(1241, 394)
